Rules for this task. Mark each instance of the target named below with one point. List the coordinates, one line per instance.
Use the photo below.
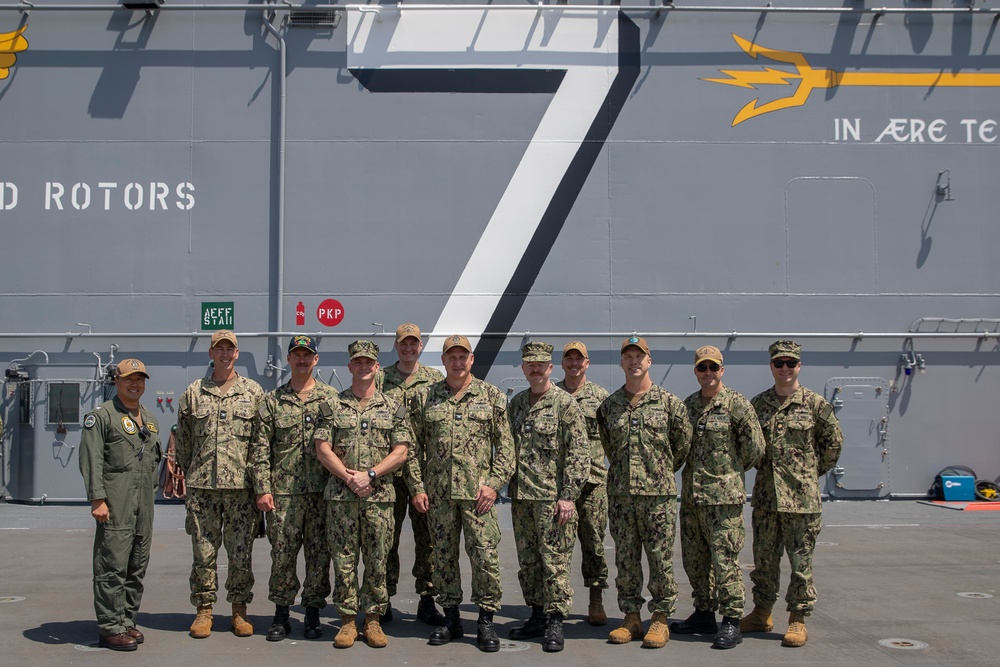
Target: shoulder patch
(89, 421)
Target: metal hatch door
(862, 407)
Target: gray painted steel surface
(504, 171)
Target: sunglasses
(701, 368)
(782, 363)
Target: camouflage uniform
(213, 443)
(553, 460)
(120, 466)
(803, 443)
(283, 463)
(467, 444)
(361, 528)
(391, 382)
(727, 442)
(592, 505)
(645, 444)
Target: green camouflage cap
(785, 348)
(363, 348)
(536, 350)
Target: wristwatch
(371, 474)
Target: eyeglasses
(782, 363)
(701, 368)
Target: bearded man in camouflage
(727, 442)
(404, 380)
(646, 436)
(289, 481)
(803, 444)
(361, 444)
(553, 460)
(469, 457)
(215, 423)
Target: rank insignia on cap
(129, 425)
(89, 421)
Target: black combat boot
(486, 634)
(729, 633)
(533, 627)
(452, 628)
(280, 626)
(554, 633)
(427, 612)
(701, 622)
(313, 629)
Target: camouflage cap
(635, 341)
(131, 367)
(785, 348)
(224, 334)
(363, 348)
(536, 350)
(408, 330)
(456, 341)
(305, 342)
(708, 353)
(578, 346)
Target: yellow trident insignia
(810, 79)
(11, 43)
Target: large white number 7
(589, 60)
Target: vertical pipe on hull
(279, 300)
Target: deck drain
(512, 646)
(826, 544)
(11, 598)
(980, 596)
(905, 644)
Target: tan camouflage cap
(578, 346)
(785, 348)
(635, 341)
(363, 348)
(224, 334)
(708, 353)
(407, 330)
(456, 341)
(131, 367)
(536, 350)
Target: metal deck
(900, 573)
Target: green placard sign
(217, 315)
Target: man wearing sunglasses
(119, 458)
(803, 443)
(727, 442)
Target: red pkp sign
(330, 313)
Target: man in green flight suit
(119, 458)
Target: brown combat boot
(348, 632)
(595, 613)
(202, 626)
(759, 620)
(241, 625)
(373, 632)
(796, 635)
(631, 629)
(659, 633)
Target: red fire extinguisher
(300, 314)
